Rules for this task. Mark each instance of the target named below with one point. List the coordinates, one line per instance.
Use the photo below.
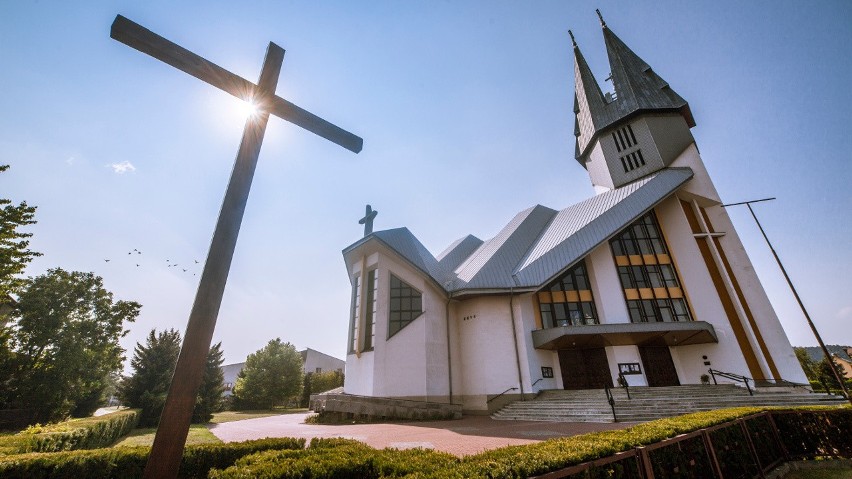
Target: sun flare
(249, 109)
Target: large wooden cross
(170, 438)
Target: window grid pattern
(651, 287)
(370, 320)
(406, 304)
(356, 314)
(568, 300)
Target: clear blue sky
(466, 113)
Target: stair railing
(611, 400)
(731, 376)
(622, 381)
(502, 393)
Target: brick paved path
(469, 435)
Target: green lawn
(198, 434)
(228, 416)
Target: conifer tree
(212, 386)
(153, 366)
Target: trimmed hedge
(802, 434)
(338, 458)
(129, 462)
(88, 433)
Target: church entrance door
(659, 367)
(584, 368)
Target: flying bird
(106, 260)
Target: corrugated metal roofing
(458, 251)
(578, 229)
(493, 263)
(538, 243)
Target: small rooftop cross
(167, 451)
(367, 220)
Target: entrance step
(649, 403)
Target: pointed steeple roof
(590, 106)
(637, 89)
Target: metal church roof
(637, 89)
(538, 244)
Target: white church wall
(598, 169)
(768, 324)
(700, 184)
(359, 374)
(437, 353)
(487, 350)
(702, 297)
(532, 359)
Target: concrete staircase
(649, 403)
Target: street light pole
(795, 294)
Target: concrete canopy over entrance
(623, 334)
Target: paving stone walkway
(461, 437)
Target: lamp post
(796, 294)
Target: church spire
(589, 102)
(636, 85)
(637, 89)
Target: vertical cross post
(367, 220)
(169, 441)
(170, 438)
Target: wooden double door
(659, 367)
(584, 368)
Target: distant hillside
(815, 352)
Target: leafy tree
(326, 381)
(271, 377)
(316, 383)
(64, 341)
(212, 386)
(826, 377)
(14, 244)
(808, 364)
(153, 366)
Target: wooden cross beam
(170, 438)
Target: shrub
(337, 458)
(88, 433)
(129, 462)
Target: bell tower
(639, 129)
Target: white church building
(647, 279)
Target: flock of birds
(169, 263)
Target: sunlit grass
(230, 416)
(198, 434)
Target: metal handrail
(622, 381)
(735, 377)
(536, 382)
(611, 400)
(502, 393)
(782, 381)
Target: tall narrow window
(370, 320)
(355, 317)
(651, 287)
(406, 304)
(568, 301)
